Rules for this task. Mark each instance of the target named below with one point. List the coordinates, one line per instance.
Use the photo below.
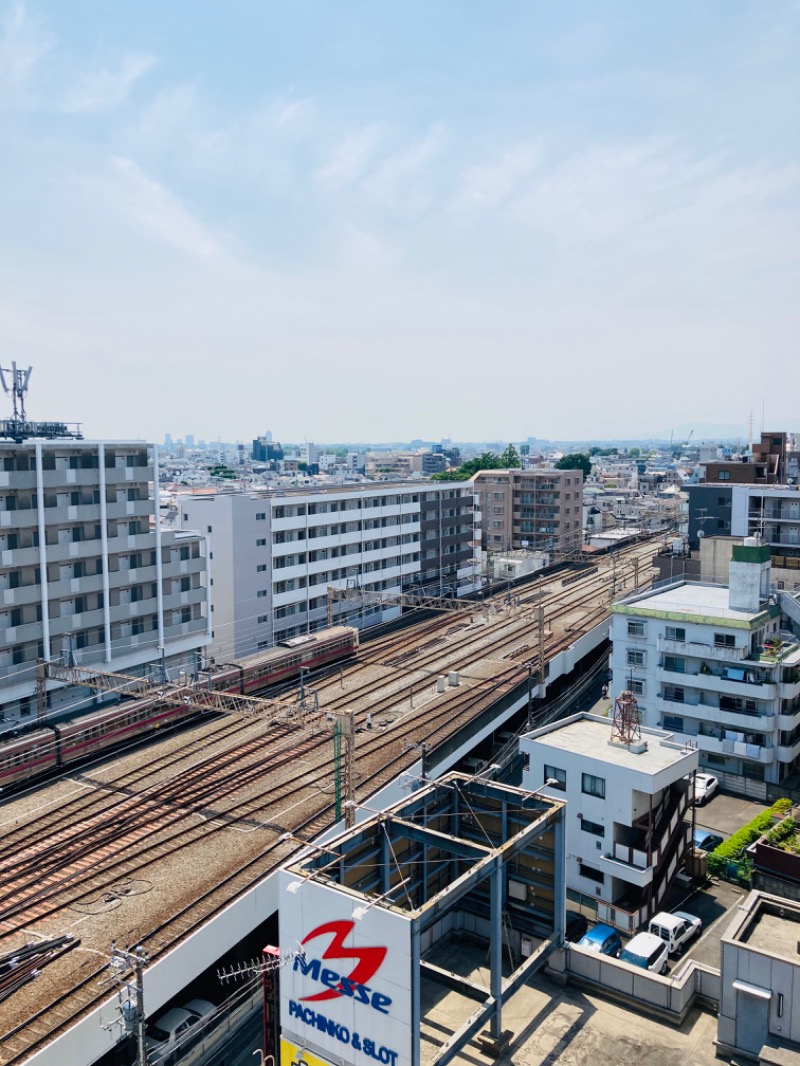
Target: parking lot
(725, 814)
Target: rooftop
(590, 735)
(691, 599)
(769, 924)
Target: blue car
(705, 840)
(603, 939)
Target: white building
(86, 570)
(718, 666)
(274, 555)
(626, 833)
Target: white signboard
(349, 997)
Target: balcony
(788, 753)
(706, 651)
(718, 685)
(628, 865)
(738, 749)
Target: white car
(705, 785)
(675, 929)
(171, 1030)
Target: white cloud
(23, 42)
(102, 90)
(153, 209)
(487, 184)
(351, 158)
(403, 182)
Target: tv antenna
(17, 389)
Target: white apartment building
(85, 570)
(275, 554)
(626, 826)
(718, 666)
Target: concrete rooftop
(591, 736)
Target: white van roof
(644, 943)
(669, 921)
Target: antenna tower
(17, 389)
(626, 726)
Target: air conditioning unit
(517, 890)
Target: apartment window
(261, 593)
(672, 722)
(674, 693)
(674, 664)
(636, 686)
(261, 516)
(262, 543)
(497, 495)
(593, 827)
(553, 774)
(635, 658)
(262, 618)
(593, 786)
(593, 875)
(675, 633)
(724, 475)
(635, 629)
(261, 568)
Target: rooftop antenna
(626, 725)
(17, 388)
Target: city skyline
(523, 220)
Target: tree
(486, 461)
(634, 453)
(524, 449)
(575, 461)
(509, 460)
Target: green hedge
(733, 847)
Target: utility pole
(123, 962)
(349, 734)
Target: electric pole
(123, 962)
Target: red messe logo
(369, 961)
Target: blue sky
(380, 221)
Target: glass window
(593, 827)
(593, 875)
(635, 629)
(553, 774)
(724, 640)
(635, 658)
(675, 633)
(593, 786)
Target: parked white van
(676, 929)
(647, 951)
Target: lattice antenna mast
(17, 389)
(626, 726)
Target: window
(675, 633)
(261, 593)
(593, 786)
(209, 529)
(262, 618)
(636, 686)
(593, 875)
(673, 722)
(724, 640)
(674, 664)
(262, 543)
(552, 773)
(635, 629)
(635, 658)
(261, 516)
(723, 475)
(261, 568)
(593, 827)
(674, 693)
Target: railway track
(136, 821)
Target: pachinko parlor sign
(347, 991)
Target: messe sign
(346, 994)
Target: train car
(92, 733)
(286, 659)
(22, 758)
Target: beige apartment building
(539, 509)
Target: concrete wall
(674, 995)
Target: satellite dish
(701, 533)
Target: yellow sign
(292, 1055)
